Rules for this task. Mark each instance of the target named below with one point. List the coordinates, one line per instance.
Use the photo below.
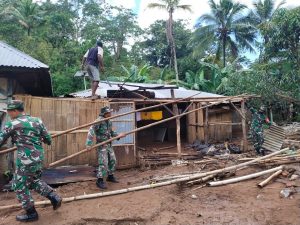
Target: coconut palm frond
(156, 6)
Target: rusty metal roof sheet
(12, 57)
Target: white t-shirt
(100, 52)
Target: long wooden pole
(134, 131)
(266, 181)
(242, 178)
(176, 112)
(104, 119)
(150, 186)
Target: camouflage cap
(15, 104)
(104, 110)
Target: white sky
(199, 7)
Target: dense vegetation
(211, 57)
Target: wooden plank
(244, 126)
(200, 120)
(191, 119)
(206, 126)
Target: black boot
(30, 215)
(112, 179)
(100, 183)
(257, 151)
(55, 200)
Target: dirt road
(242, 203)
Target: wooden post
(200, 133)
(244, 126)
(176, 112)
(206, 126)
(191, 119)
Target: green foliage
(225, 30)
(58, 33)
(284, 39)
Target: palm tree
(170, 6)
(224, 30)
(27, 14)
(262, 15)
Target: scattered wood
(167, 147)
(266, 181)
(149, 186)
(201, 180)
(141, 148)
(242, 178)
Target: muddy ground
(241, 203)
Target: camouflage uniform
(106, 156)
(27, 134)
(256, 128)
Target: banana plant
(134, 74)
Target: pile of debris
(284, 174)
(151, 158)
(292, 137)
(215, 149)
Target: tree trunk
(171, 42)
(224, 51)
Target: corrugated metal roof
(159, 93)
(12, 57)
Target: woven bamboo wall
(59, 114)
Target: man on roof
(92, 61)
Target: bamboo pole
(266, 181)
(201, 180)
(104, 119)
(241, 114)
(242, 178)
(149, 186)
(134, 131)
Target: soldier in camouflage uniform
(106, 156)
(27, 134)
(256, 128)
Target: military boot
(100, 183)
(111, 178)
(55, 200)
(30, 215)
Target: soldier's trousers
(106, 161)
(27, 178)
(258, 139)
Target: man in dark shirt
(93, 60)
